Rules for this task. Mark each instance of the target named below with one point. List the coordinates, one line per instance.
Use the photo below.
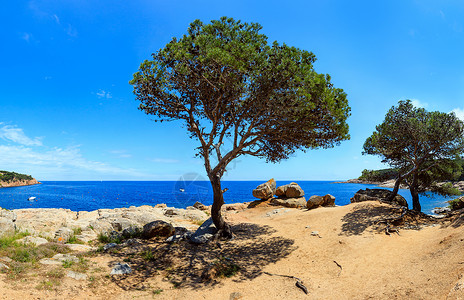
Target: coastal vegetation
(424, 147)
(228, 84)
(7, 176)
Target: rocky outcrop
(16, 183)
(316, 201)
(62, 224)
(377, 195)
(291, 190)
(290, 202)
(265, 190)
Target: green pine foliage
(7, 176)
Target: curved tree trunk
(415, 195)
(218, 200)
(395, 189)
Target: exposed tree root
(298, 283)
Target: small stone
(120, 269)
(315, 233)
(76, 275)
(235, 296)
(109, 246)
(3, 266)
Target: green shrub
(456, 203)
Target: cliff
(12, 179)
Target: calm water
(91, 195)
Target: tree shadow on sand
(189, 265)
(373, 218)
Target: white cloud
(16, 135)
(26, 36)
(165, 160)
(57, 20)
(419, 104)
(69, 158)
(459, 113)
(121, 153)
(104, 94)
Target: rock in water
(377, 195)
(157, 228)
(265, 190)
(204, 233)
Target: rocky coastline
(391, 183)
(16, 183)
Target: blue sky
(67, 111)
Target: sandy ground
(346, 259)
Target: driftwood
(299, 282)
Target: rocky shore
(391, 183)
(15, 183)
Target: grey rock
(3, 266)
(120, 224)
(109, 246)
(58, 259)
(441, 210)
(277, 211)
(204, 233)
(79, 247)
(265, 190)
(157, 228)
(34, 240)
(8, 214)
(76, 275)
(63, 234)
(121, 269)
(7, 226)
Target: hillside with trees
(12, 179)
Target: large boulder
(377, 195)
(290, 202)
(291, 190)
(265, 190)
(316, 201)
(157, 228)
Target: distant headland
(13, 179)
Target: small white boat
(31, 198)
(181, 190)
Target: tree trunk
(218, 200)
(395, 189)
(415, 195)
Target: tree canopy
(224, 80)
(424, 146)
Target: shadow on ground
(376, 218)
(193, 266)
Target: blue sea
(92, 195)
